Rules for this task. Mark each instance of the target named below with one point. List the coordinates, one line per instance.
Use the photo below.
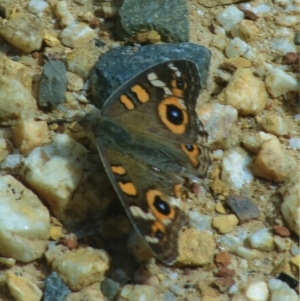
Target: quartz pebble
(294, 143)
(76, 34)
(261, 240)
(63, 14)
(219, 122)
(138, 292)
(291, 202)
(37, 7)
(272, 162)
(237, 47)
(245, 92)
(195, 247)
(247, 30)
(24, 222)
(235, 168)
(253, 141)
(282, 45)
(30, 134)
(257, 291)
(81, 267)
(24, 31)
(225, 223)
(22, 289)
(280, 243)
(230, 17)
(280, 291)
(279, 82)
(232, 64)
(273, 124)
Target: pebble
(282, 231)
(280, 243)
(219, 41)
(242, 207)
(8, 262)
(29, 134)
(195, 247)
(294, 143)
(272, 162)
(55, 289)
(253, 141)
(80, 62)
(220, 208)
(138, 293)
(280, 291)
(75, 82)
(51, 40)
(62, 12)
(234, 63)
(237, 47)
(282, 46)
(11, 162)
(15, 100)
(223, 258)
(247, 30)
(81, 267)
(110, 288)
(22, 289)
(25, 222)
(219, 122)
(53, 84)
(257, 291)
(235, 168)
(290, 207)
(225, 223)
(261, 240)
(199, 221)
(37, 7)
(273, 124)
(3, 149)
(230, 17)
(76, 34)
(245, 92)
(246, 253)
(24, 31)
(279, 82)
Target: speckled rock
(29, 134)
(219, 122)
(76, 34)
(82, 267)
(80, 62)
(55, 289)
(25, 240)
(291, 202)
(273, 162)
(195, 247)
(22, 289)
(170, 19)
(138, 292)
(24, 31)
(245, 92)
(225, 223)
(67, 178)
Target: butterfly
(150, 140)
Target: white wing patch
(138, 212)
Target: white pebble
(37, 7)
(236, 47)
(11, 161)
(230, 17)
(280, 291)
(261, 240)
(257, 291)
(173, 276)
(261, 9)
(294, 143)
(282, 45)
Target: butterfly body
(147, 137)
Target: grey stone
(168, 17)
(119, 65)
(53, 84)
(110, 288)
(55, 289)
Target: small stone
(281, 46)
(261, 240)
(106, 10)
(247, 30)
(8, 262)
(95, 22)
(70, 241)
(24, 31)
(56, 232)
(3, 149)
(292, 58)
(234, 63)
(223, 258)
(53, 84)
(296, 261)
(230, 17)
(246, 93)
(273, 124)
(76, 35)
(225, 272)
(242, 207)
(280, 243)
(225, 224)
(63, 14)
(29, 134)
(22, 289)
(220, 208)
(224, 284)
(219, 41)
(280, 291)
(237, 47)
(257, 291)
(51, 40)
(110, 288)
(253, 141)
(138, 292)
(195, 247)
(272, 162)
(80, 62)
(246, 253)
(291, 202)
(279, 82)
(290, 281)
(282, 231)
(82, 267)
(55, 289)
(27, 239)
(37, 7)
(75, 82)
(286, 20)
(151, 36)
(235, 168)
